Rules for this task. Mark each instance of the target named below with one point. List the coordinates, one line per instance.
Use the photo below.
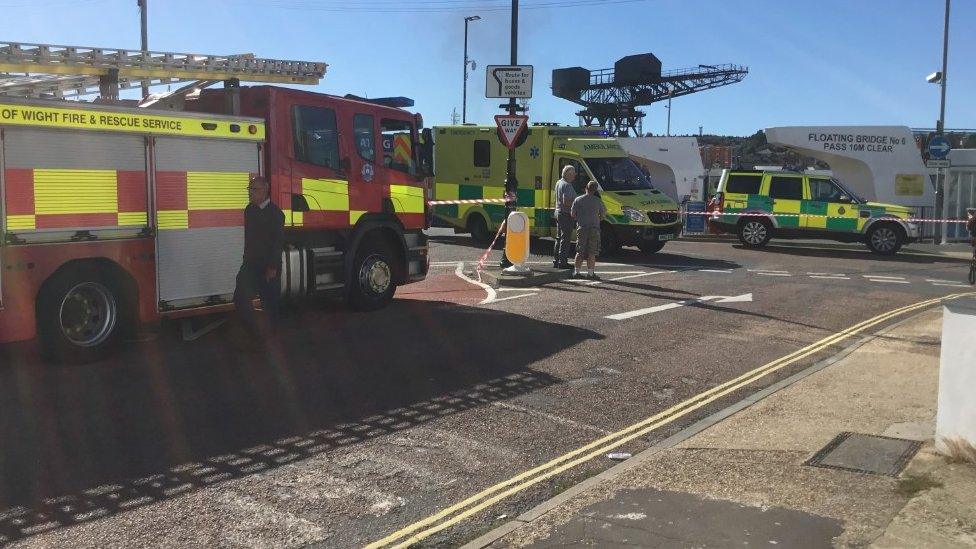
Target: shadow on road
(860, 255)
(164, 417)
(667, 260)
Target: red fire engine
(114, 214)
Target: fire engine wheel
(373, 277)
(79, 316)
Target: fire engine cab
(114, 214)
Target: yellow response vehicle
(470, 162)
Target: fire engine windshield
(618, 174)
(398, 136)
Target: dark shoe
(593, 276)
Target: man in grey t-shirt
(565, 194)
(588, 210)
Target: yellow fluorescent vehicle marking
(439, 521)
(128, 121)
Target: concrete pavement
(743, 481)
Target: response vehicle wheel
(609, 245)
(885, 239)
(651, 246)
(755, 233)
(78, 315)
(373, 280)
(478, 228)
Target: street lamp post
(940, 78)
(464, 98)
(511, 182)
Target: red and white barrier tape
(707, 214)
(468, 201)
(763, 214)
(484, 257)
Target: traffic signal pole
(511, 183)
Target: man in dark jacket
(260, 274)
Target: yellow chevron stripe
(173, 219)
(326, 194)
(21, 222)
(410, 199)
(216, 190)
(58, 191)
(133, 218)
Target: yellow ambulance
(470, 162)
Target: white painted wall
(674, 163)
(956, 416)
(867, 158)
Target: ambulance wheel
(478, 228)
(885, 238)
(755, 232)
(373, 279)
(79, 315)
(651, 247)
(609, 245)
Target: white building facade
(881, 163)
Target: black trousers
(251, 283)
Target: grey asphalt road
(357, 425)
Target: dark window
(397, 141)
(482, 153)
(824, 190)
(582, 178)
(316, 138)
(743, 183)
(365, 135)
(787, 188)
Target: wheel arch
(390, 230)
(892, 220)
(121, 279)
(768, 217)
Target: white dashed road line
(719, 271)
(953, 285)
(509, 298)
(831, 277)
(772, 274)
(884, 277)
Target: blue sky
(810, 62)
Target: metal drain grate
(870, 454)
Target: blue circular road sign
(939, 147)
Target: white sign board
(506, 81)
(937, 163)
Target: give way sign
(510, 127)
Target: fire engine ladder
(58, 72)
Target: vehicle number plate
(665, 236)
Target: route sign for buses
(510, 126)
(939, 147)
(507, 81)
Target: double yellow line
(456, 513)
